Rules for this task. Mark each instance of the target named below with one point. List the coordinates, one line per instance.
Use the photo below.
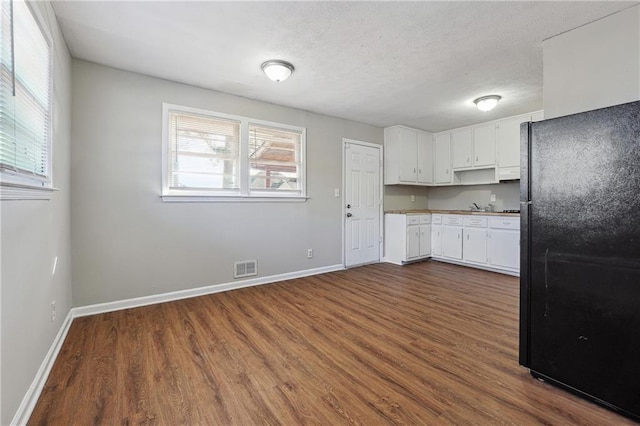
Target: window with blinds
(274, 159)
(205, 152)
(215, 155)
(25, 97)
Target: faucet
(476, 208)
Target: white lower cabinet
(503, 243)
(407, 237)
(436, 234)
(487, 242)
(413, 241)
(474, 242)
(425, 240)
(452, 236)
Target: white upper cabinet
(408, 139)
(462, 148)
(484, 145)
(473, 155)
(509, 141)
(408, 156)
(508, 144)
(474, 146)
(442, 158)
(425, 158)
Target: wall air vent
(245, 268)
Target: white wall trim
(33, 393)
(194, 292)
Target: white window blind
(274, 159)
(25, 97)
(205, 152)
(211, 156)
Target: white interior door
(363, 203)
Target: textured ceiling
(415, 63)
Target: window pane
(205, 152)
(274, 159)
(24, 118)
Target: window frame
(21, 185)
(244, 193)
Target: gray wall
(398, 197)
(128, 243)
(33, 233)
(461, 197)
(593, 66)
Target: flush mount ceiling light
(277, 70)
(487, 103)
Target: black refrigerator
(580, 254)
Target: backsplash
(461, 197)
(398, 197)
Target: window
(25, 98)
(210, 156)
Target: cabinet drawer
(452, 220)
(436, 219)
(425, 218)
(475, 222)
(504, 222)
(413, 219)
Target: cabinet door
(484, 145)
(452, 242)
(425, 157)
(462, 148)
(413, 241)
(474, 245)
(442, 158)
(425, 240)
(508, 139)
(504, 248)
(408, 151)
(436, 240)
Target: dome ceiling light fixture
(487, 103)
(277, 70)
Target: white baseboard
(33, 393)
(194, 292)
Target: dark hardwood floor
(428, 343)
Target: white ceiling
(415, 63)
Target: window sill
(11, 191)
(230, 199)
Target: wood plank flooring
(428, 343)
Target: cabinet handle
(467, 237)
(447, 171)
(476, 158)
(414, 170)
(420, 171)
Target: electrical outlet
(336, 192)
(492, 198)
(413, 198)
(53, 311)
(309, 253)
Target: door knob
(349, 215)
